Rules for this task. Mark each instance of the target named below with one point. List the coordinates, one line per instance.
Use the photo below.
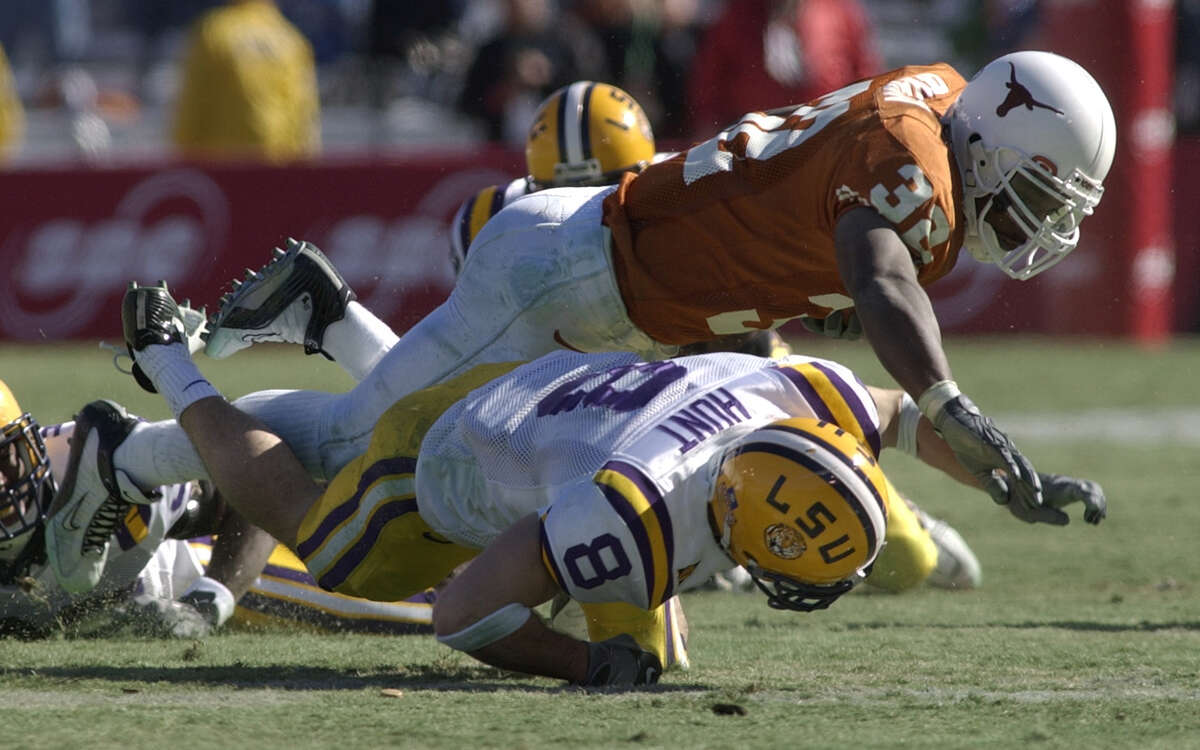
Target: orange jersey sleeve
(737, 233)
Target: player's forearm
(239, 554)
(536, 649)
(898, 320)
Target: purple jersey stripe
(289, 574)
(641, 534)
(352, 557)
(396, 465)
(850, 396)
(809, 394)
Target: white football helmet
(1033, 136)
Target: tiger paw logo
(783, 541)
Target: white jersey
(141, 558)
(618, 456)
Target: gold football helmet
(802, 505)
(587, 133)
(26, 485)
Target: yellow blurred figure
(249, 86)
(12, 115)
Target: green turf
(1080, 637)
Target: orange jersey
(737, 233)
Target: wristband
(906, 429)
(936, 396)
(486, 631)
(210, 594)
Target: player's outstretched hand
(984, 449)
(1060, 490)
(839, 324)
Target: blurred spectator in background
(649, 46)
(12, 115)
(761, 54)
(414, 50)
(1187, 70)
(46, 31)
(538, 49)
(249, 86)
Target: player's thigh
(364, 536)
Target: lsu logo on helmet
(802, 505)
(587, 133)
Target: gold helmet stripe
(640, 504)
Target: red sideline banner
(72, 239)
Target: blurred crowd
(288, 78)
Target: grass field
(1080, 636)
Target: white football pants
(538, 277)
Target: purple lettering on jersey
(685, 444)
(705, 417)
(579, 392)
(736, 409)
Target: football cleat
(291, 300)
(93, 498)
(150, 316)
(957, 567)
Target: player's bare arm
(497, 591)
(239, 553)
(895, 312)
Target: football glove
(1060, 490)
(621, 662)
(983, 448)
(839, 324)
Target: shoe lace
(101, 528)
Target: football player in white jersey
(601, 476)
(145, 567)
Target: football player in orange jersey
(590, 134)
(846, 205)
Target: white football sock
(358, 341)
(159, 453)
(172, 371)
